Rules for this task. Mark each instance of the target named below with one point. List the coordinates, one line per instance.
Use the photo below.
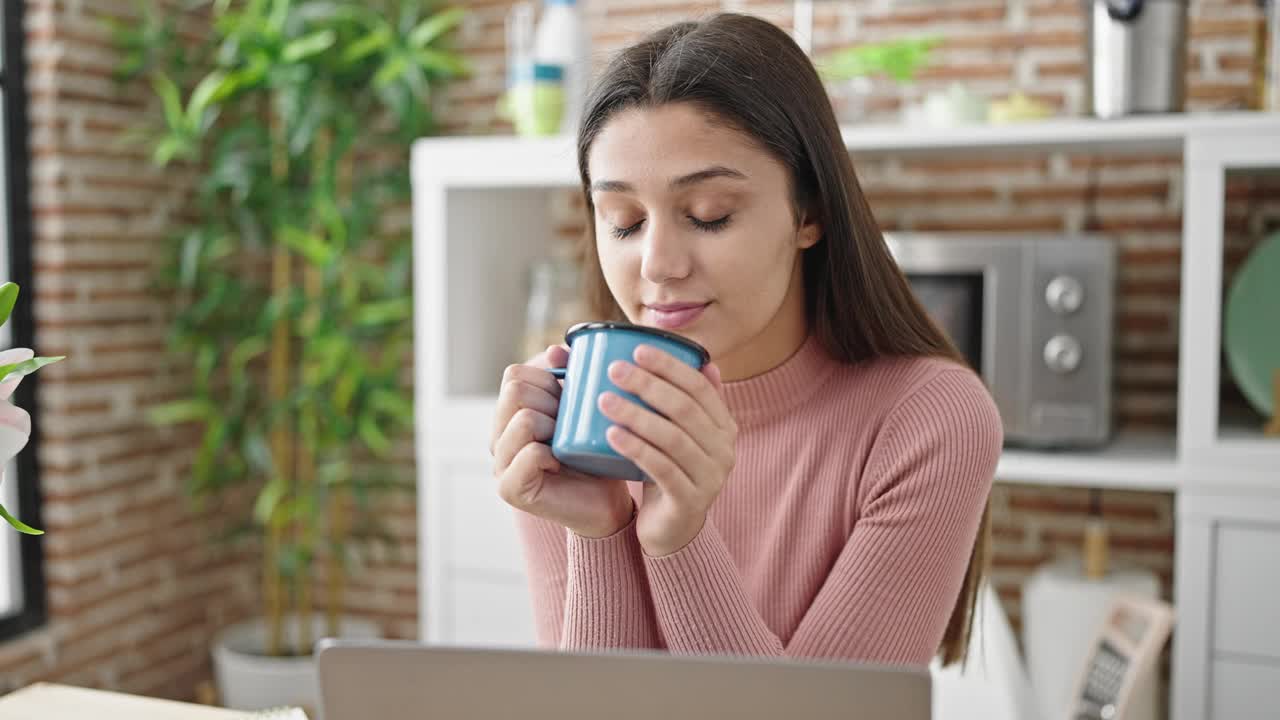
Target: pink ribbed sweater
(843, 532)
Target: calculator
(1133, 631)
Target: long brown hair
(748, 73)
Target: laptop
(386, 679)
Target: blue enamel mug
(579, 441)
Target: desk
(48, 701)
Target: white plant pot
(249, 679)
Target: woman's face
(696, 234)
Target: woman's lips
(674, 316)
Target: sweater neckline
(781, 388)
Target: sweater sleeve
(890, 592)
(587, 594)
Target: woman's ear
(808, 234)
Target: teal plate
(1251, 332)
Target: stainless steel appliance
(1136, 51)
(1033, 315)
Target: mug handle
(558, 372)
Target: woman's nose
(666, 256)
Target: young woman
(820, 489)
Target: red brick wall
(135, 586)
(134, 609)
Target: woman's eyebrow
(715, 171)
(693, 178)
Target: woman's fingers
(693, 382)
(669, 400)
(520, 482)
(661, 469)
(526, 426)
(523, 386)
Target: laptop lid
(380, 680)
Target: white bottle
(561, 40)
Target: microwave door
(973, 289)
(955, 302)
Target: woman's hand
(529, 476)
(688, 453)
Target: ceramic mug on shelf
(579, 441)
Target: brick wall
(134, 609)
(135, 586)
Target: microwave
(1033, 316)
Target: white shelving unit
(482, 214)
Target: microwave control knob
(1062, 354)
(1064, 294)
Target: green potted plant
(15, 423)
(850, 71)
(292, 301)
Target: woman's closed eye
(716, 225)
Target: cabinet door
(1247, 590)
(473, 583)
(481, 527)
(490, 611)
(1244, 691)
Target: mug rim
(580, 328)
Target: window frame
(21, 322)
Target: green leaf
(442, 62)
(169, 148)
(309, 245)
(392, 403)
(171, 98)
(273, 492)
(373, 436)
(8, 298)
(180, 411)
(382, 313)
(390, 71)
(345, 389)
(245, 351)
(309, 45)
(279, 16)
(206, 362)
(192, 248)
(214, 87)
(18, 524)
(374, 42)
(26, 367)
(436, 25)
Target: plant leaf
(392, 403)
(442, 62)
(18, 524)
(392, 69)
(214, 87)
(436, 25)
(367, 45)
(8, 298)
(384, 312)
(308, 45)
(268, 499)
(373, 436)
(26, 367)
(309, 245)
(169, 148)
(179, 411)
(171, 99)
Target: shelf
(1138, 134)
(510, 161)
(1130, 462)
